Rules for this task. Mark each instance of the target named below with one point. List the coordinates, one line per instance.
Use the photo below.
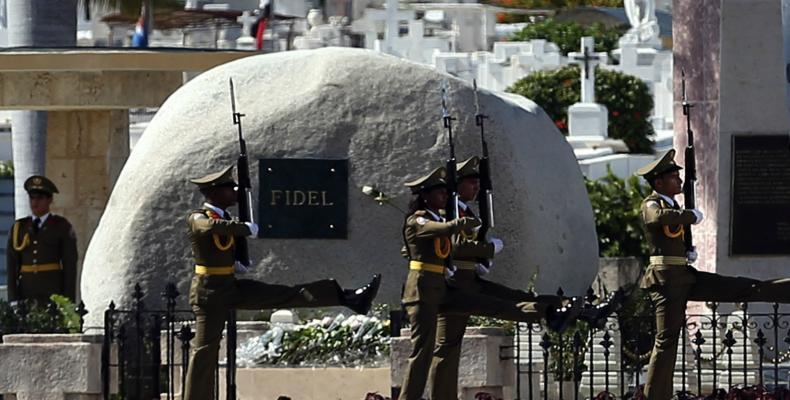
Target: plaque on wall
(303, 198)
(760, 202)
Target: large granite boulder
(383, 115)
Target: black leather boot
(558, 319)
(597, 315)
(361, 299)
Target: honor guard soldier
(470, 253)
(426, 294)
(215, 289)
(670, 279)
(41, 255)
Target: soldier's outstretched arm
(200, 223)
(68, 251)
(425, 228)
(655, 215)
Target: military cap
(41, 184)
(468, 168)
(437, 177)
(216, 179)
(660, 166)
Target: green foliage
(567, 35)
(6, 169)
(616, 206)
(564, 370)
(505, 17)
(627, 98)
(39, 320)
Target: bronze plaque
(760, 217)
(303, 198)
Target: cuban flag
(140, 37)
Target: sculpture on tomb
(322, 34)
(644, 25)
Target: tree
(567, 35)
(626, 97)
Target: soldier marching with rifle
(670, 278)
(473, 255)
(431, 233)
(220, 250)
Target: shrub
(616, 206)
(567, 35)
(626, 97)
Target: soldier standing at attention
(215, 289)
(41, 255)
(670, 279)
(427, 237)
(468, 251)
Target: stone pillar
(35, 23)
(732, 53)
(86, 152)
(29, 144)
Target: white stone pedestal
(588, 119)
(50, 367)
(481, 369)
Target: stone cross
(588, 59)
(247, 20)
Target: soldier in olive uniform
(426, 293)
(41, 255)
(670, 279)
(215, 289)
(468, 251)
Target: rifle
(690, 177)
(451, 209)
(485, 197)
(242, 249)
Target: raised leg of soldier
(739, 289)
(443, 376)
(209, 323)
(422, 318)
(459, 301)
(670, 303)
(507, 293)
(256, 295)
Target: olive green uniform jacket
(212, 296)
(468, 250)
(672, 282)
(426, 294)
(54, 243)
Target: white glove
(481, 269)
(698, 214)
(449, 272)
(240, 268)
(691, 255)
(253, 228)
(498, 244)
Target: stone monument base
(588, 119)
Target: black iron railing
(738, 353)
(132, 348)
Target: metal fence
(133, 343)
(738, 354)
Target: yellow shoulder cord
(25, 240)
(442, 247)
(217, 240)
(469, 236)
(674, 235)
